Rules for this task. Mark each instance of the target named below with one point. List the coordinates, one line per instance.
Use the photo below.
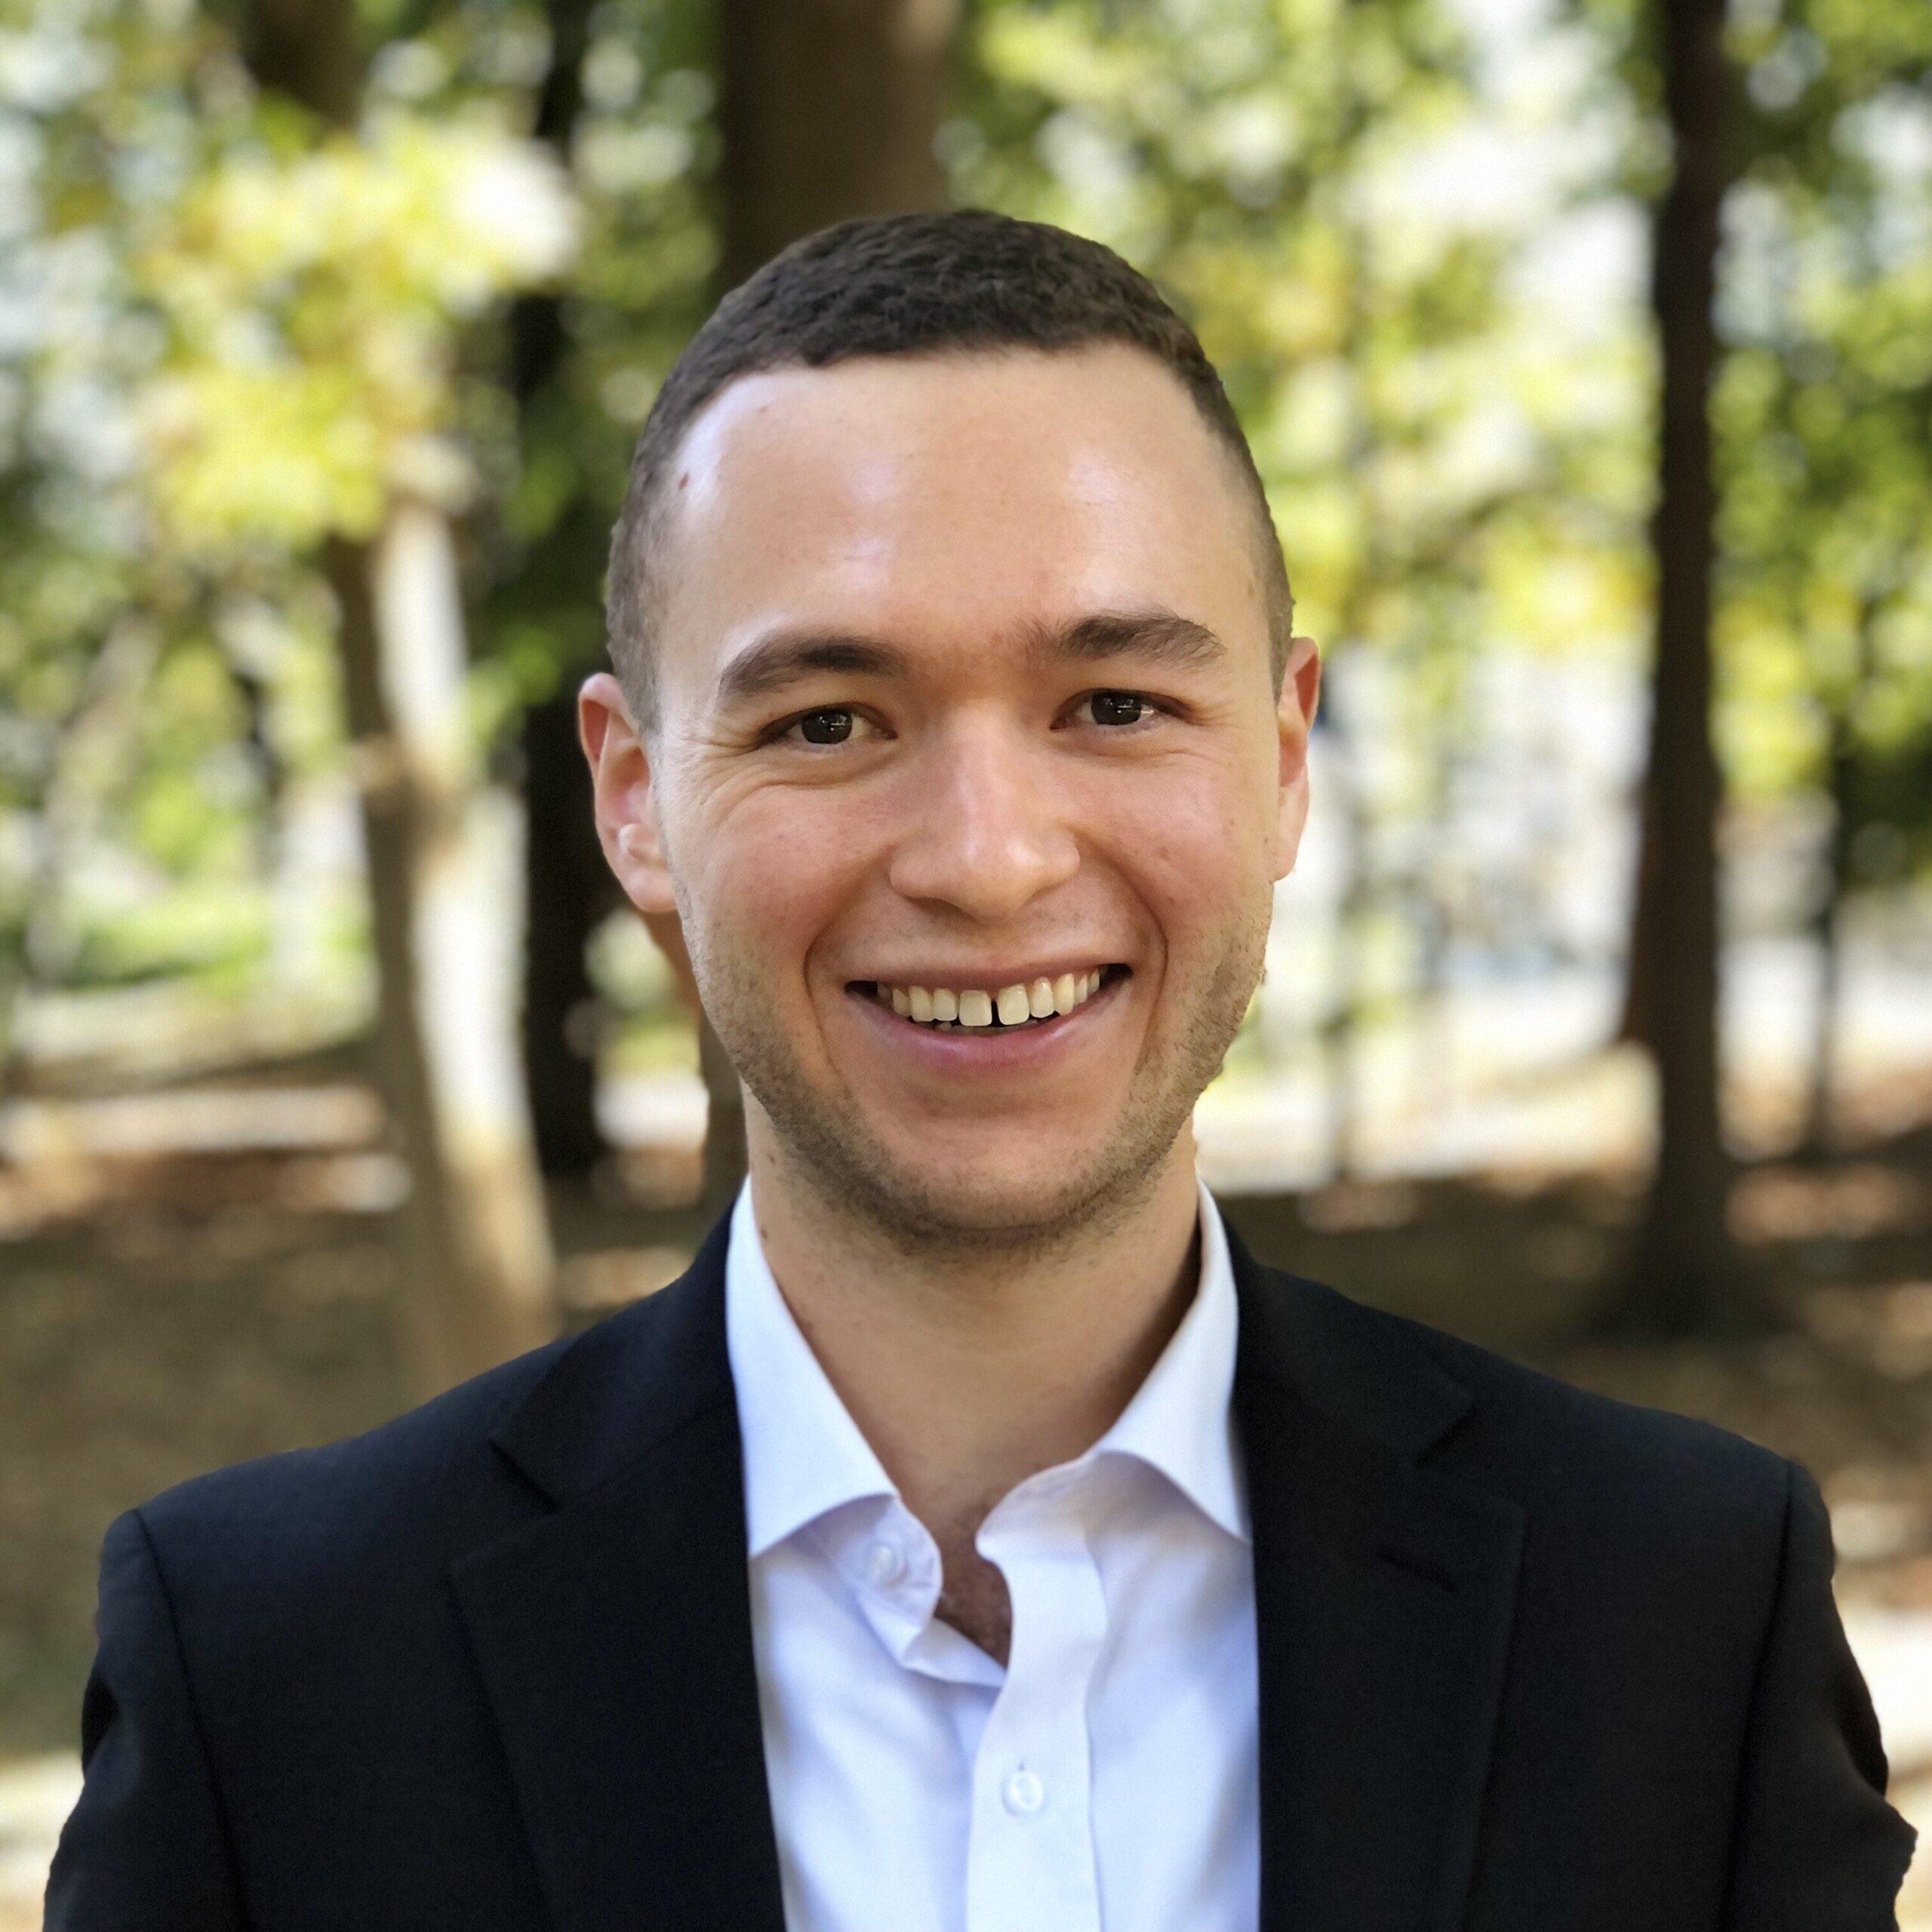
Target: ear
(1294, 718)
(628, 826)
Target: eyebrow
(782, 658)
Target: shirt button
(884, 1564)
(1022, 1794)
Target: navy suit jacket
(1531, 1660)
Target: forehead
(950, 498)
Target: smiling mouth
(1014, 1009)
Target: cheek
(775, 869)
(1195, 847)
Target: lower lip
(988, 1049)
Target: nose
(987, 831)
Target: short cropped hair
(961, 281)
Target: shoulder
(425, 1482)
(1551, 1440)
(394, 1506)
(1652, 1546)
(1624, 1473)
(1523, 1404)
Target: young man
(975, 1537)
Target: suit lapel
(1384, 1594)
(613, 1633)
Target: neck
(967, 1379)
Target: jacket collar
(1384, 1593)
(614, 1631)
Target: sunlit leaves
(312, 303)
(1825, 422)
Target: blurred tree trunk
(568, 887)
(91, 740)
(480, 1270)
(1687, 1275)
(306, 49)
(1637, 1023)
(1840, 784)
(478, 1241)
(828, 109)
(1827, 927)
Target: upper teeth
(1023, 1000)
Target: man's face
(964, 685)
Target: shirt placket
(1030, 1860)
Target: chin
(1021, 1200)
(956, 1184)
(1014, 1200)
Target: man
(975, 1537)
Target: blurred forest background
(1585, 348)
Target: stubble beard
(854, 1178)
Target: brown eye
(830, 727)
(1118, 707)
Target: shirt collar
(1181, 1420)
(805, 1457)
(803, 1453)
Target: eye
(1119, 710)
(831, 725)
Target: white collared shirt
(1105, 1777)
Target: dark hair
(908, 285)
